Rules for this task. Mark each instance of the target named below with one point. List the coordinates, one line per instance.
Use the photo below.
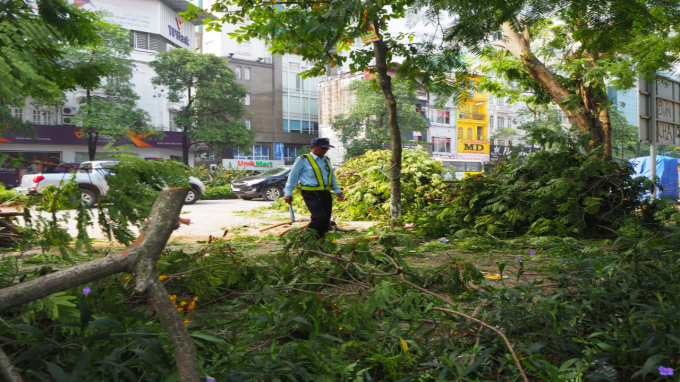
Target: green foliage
(213, 107)
(134, 185)
(220, 192)
(367, 190)
(108, 110)
(365, 127)
(33, 37)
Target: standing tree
(568, 52)
(213, 110)
(366, 125)
(320, 30)
(109, 109)
(33, 37)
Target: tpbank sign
(466, 146)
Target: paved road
(208, 217)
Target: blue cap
(321, 142)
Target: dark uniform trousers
(320, 204)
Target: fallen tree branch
(140, 259)
(470, 318)
(7, 370)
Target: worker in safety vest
(316, 179)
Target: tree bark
(185, 134)
(139, 258)
(385, 81)
(92, 136)
(589, 119)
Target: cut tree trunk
(385, 82)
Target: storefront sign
(72, 135)
(468, 146)
(473, 157)
(139, 15)
(177, 34)
(248, 164)
(499, 152)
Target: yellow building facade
(472, 127)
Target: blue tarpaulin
(666, 170)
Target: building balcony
(472, 116)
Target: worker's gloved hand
(288, 199)
(340, 197)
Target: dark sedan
(268, 185)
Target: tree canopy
(33, 37)
(566, 52)
(211, 115)
(109, 109)
(365, 126)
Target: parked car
(268, 185)
(91, 178)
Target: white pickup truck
(91, 178)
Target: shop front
(67, 145)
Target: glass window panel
(313, 106)
(305, 106)
(285, 80)
(248, 123)
(473, 166)
(246, 73)
(298, 83)
(501, 122)
(238, 72)
(285, 104)
(315, 127)
(248, 99)
(291, 81)
(285, 126)
(295, 125)
(294, 105)
(305, 126)
(469, 133)
(480, 133)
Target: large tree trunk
(385, 82)
(592, 117)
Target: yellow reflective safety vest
(323, 186)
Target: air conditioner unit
(68, 110)
(68, 120)
(423, 109)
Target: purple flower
(519, 258)
(531, 252)
(208, 379)
(665, 370)
(87, 290)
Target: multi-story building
(283, 107)
(472, 132)
(155, 26)
(335, 99)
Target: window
(172, 124)
(480, 133)
(501, 142)
(501, 122)
(469, 133)
(460, 133)
(243, 48)
(443, 117)
(491, 121)
(442, 145)
(17, 113)
(289, 153)
(37, 117)
(296, 126)
(257, 152)
(246, 74)
(248, 123)
(150, 41)
(238, 72)
(248, 99)
(417, 138)
(500, 101)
